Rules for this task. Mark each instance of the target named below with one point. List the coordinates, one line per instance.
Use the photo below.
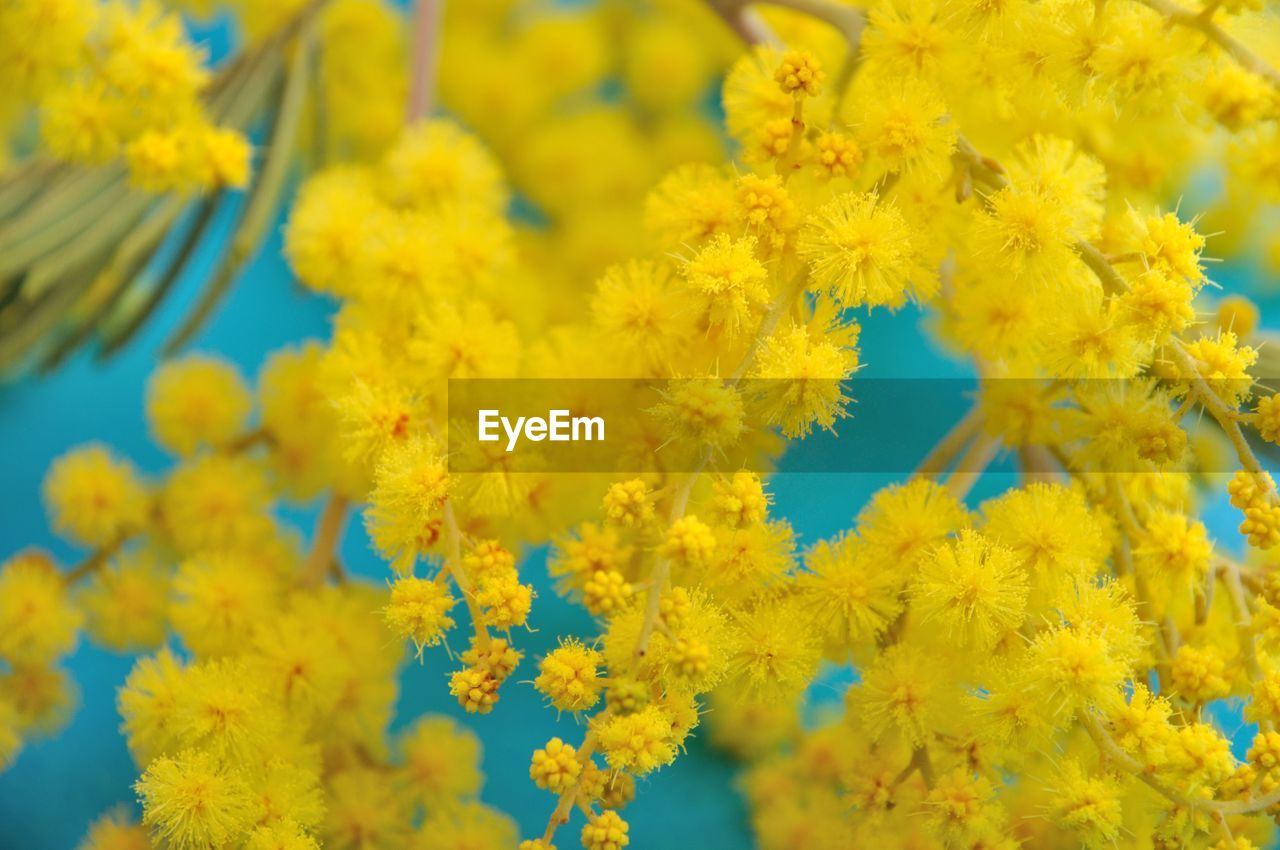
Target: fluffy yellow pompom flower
(1175, 550)
(1170, 246)
(466, 824)
(903, 522)
(1239, 314)
(569, 678)
(1141, 726)
(1026, 232)
(973, 589)
(475, 688)
(1254, 495)
(689, 541)
(1199, 674)
(419, 610)
(1267, 418)
(837, 155)
(1224, 364)
(1050, 528)
(488, 559)
(226, 158)
(900, 694)
(740, 500)
(436, 163)
(629, 504)
(1076, 667)
(860, 251)
(441, 761)
(298, 418)
(595, 548)
(847, 595)
(773, 653)
(92, 498)
(411, 484)
(767, 210)
(466, 342)
(219, 600)
(127, 603)
(1090, 806)
(192, 803)
(196, 401)
(605, 831)
(606, 592)
(115, 831)
(906, 129)
(149, 705)
(958, 807)
(640, 307)
(215, 502)
(1264, 753)
(691, 204)
(504, 600)
(704, 413)
(38, 622)
(158, 162)
(638, 742)
(798, 374)
(225, 711)
(799, 74)
(325, 234)
(731, 282)
(535, 844)
(555, 767)
(283, 835)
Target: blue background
(58, 786)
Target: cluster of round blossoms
(1044, 668)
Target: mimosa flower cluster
(1038, 669)
(117, 80)
(120, 83)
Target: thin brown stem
(324, 543)
(952, 443)
(972, 464)
(91, 564)
(453, 566)
(427, 18)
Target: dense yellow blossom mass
(1033, 670)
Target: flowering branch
(1230, 574)
(1202, 22)
(662, 567)
(566, 801)
(1226, 416)
(1108, 746)
(453, 566)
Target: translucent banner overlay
(889, 426)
